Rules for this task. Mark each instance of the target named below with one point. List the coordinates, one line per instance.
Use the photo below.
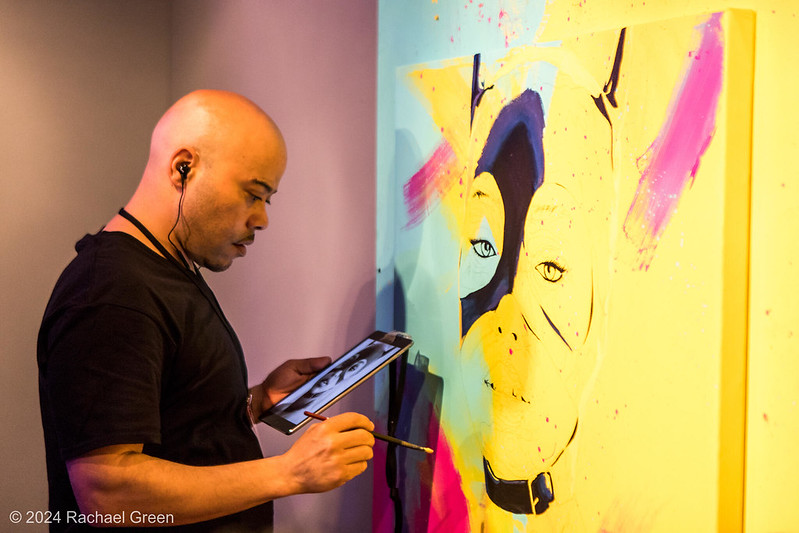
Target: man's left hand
(283, 380)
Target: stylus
(380, 436)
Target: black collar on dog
(519, 495)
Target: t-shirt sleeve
(103, 378)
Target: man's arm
(122, 478)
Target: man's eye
(256, 198)
(483, 248)
(550, 271)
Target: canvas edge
(739, 30)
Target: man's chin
(216, 266)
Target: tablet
(336, 380)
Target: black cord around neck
(160, 247)
(175, 225)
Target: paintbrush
(380, 436)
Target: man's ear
(181, 166)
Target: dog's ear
(478, 89)
(609, 90)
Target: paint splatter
(671, 162)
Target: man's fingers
(350, 421)
(358, 454)
(312, 365)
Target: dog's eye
(483, 248)
(550, 271)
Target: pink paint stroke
(671, 162)
(448, 510)
(425, 188)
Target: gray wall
(307, 286)
(81, 85)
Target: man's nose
(259, 220)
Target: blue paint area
(408, 33)
(417, 267)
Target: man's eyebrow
(263, 184)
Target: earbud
(183, 170)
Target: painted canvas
(568, 259)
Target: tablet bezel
(273, 416)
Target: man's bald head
(213, 124)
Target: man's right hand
(332, 452)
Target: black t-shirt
(134, 349)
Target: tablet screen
(337, 379)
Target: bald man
(147, 417)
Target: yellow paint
(772, 421)
(654, 364)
